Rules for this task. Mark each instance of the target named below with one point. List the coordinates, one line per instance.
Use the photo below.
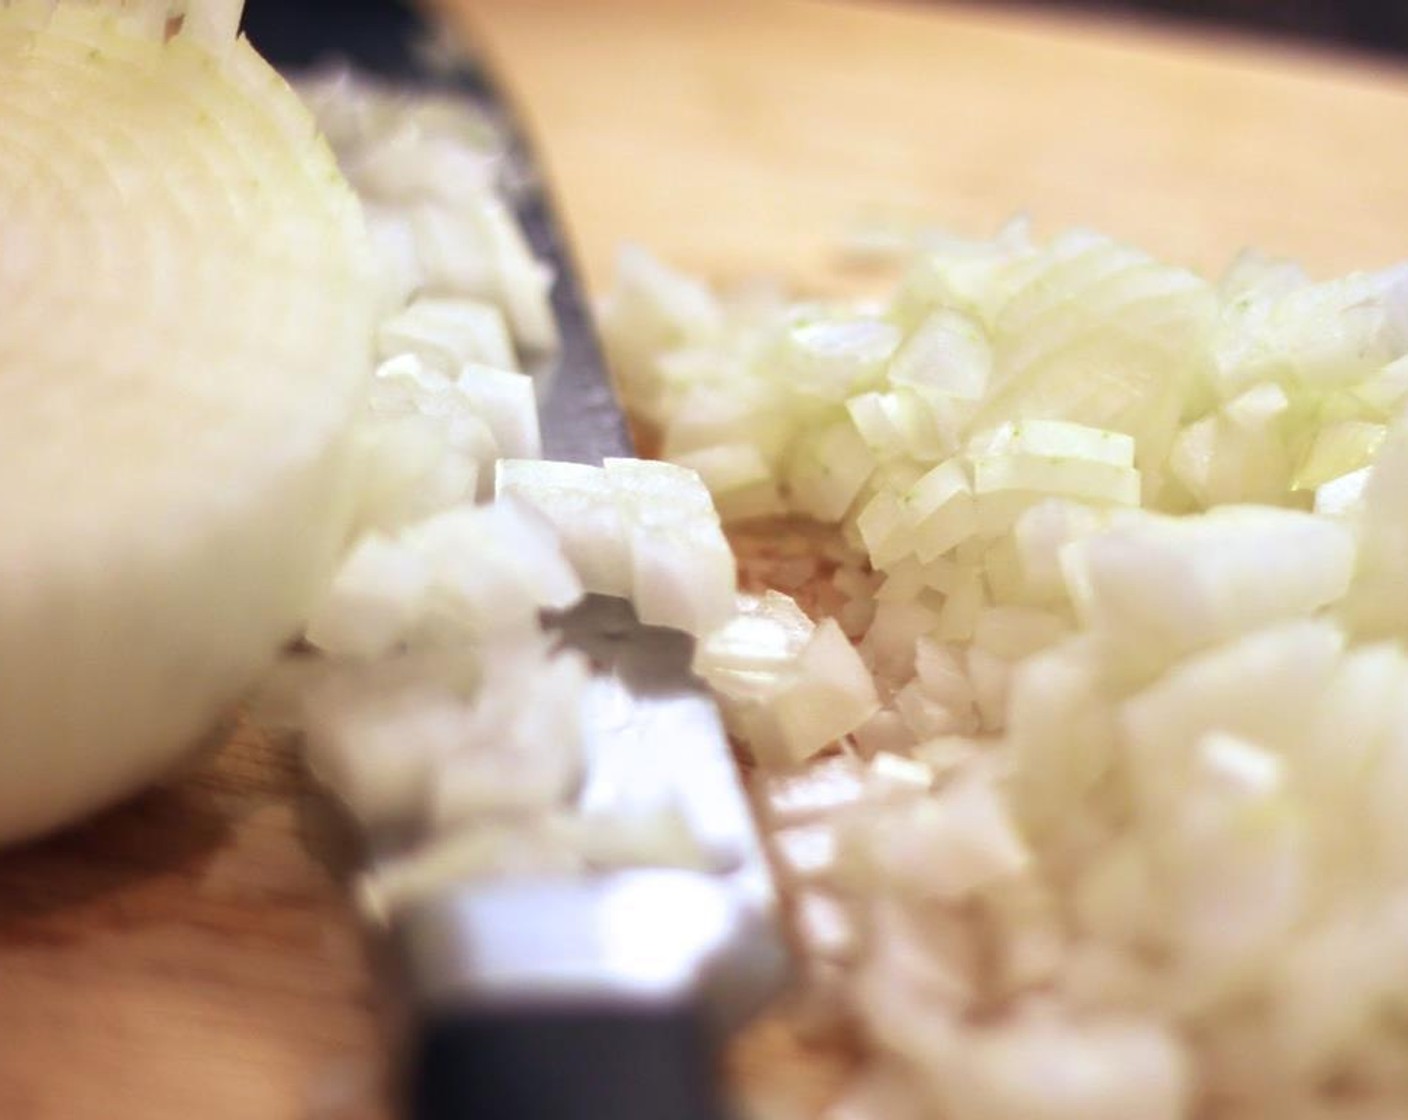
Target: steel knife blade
(602, 996)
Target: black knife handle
(601, 997)
(376, 35)
(569, 1063)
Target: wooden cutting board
(187, 955)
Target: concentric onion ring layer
(185, 340)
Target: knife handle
(565, 1063)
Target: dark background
(1362, 25)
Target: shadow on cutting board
(162, 833)
(153, 855)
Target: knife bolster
(601, 997)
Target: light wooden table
(738, 137)
(185, 956)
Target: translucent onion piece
(1045, 1069)
(446, 333)
(187, 288)
(471, 572)
(1163, 587)
(646, 530)
(427, 167)
(785, 686)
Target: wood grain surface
(189, 954)
(740, 138)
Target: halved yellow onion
(189, 305)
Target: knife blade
(605, 995)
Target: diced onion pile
(1123, 834)
(431, 700)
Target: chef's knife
(602, 997)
